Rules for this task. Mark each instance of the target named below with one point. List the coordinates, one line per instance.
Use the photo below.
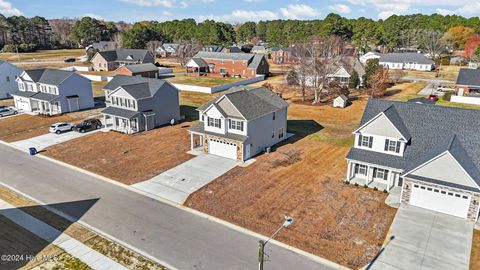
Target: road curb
(227, 224)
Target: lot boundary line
(232, 226)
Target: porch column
(49, 108)
(191, 141)
(349, 169)
(390, 178)
(367, 179)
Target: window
(281, 134)
(380, 173)
(365, 141)
(392, 146)
(235, 124)
(223, 71)
(361, 169)
(443, 192)
(8, 79)
(464, 197)
(415, 186)
(273, 134)
(457, 195)
(213, 122)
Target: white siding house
(409, 61)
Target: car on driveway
(88, 125)
(7, 112)
(61, 127)
(433, 97)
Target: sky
(233, 11)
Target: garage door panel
(222, 149)
(444, 201)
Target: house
(8, 75)
(136, 104)
(414, 61)
(147, 70)
(52, 91)
(111, 60)
(232, 49)
(168, 50)
(245, 65)
(211, 48)
(102, 46)
(369, 56)
(340, 102)
(259, 49)
(468, 82)
(282, 56)
(431, 153)
(343, 73)
(241, 123)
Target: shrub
(356, 184)
(24, 47)
(385, 191)
(375, 188)
(447, 96)
(346, 182)
(9, 48)
(365, 186)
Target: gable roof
(470, 77)
(225, 56)
(251, 102)
(198, 61)
(258, 48)
(136, 86)
(141, 67)
(212, 48)
(128, 55)
(406, 58)
(257, 59)
(343, 97)
(432, 129)
(49, 76)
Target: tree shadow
(99, 102)
(26, 231)
(391, 92)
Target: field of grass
(43, 55)
(202, 81)
(448, 73)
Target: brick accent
(474, 202)
(237, 143)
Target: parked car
(61, 127)
(7, 111)
(69, 60)
(88, 125)
(433, 97)
(445, 89)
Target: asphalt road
(179, 238)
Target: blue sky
(233, 10)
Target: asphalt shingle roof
(138, 87)
(406, 58)
(49, 76)
(124, 55)
(432, 129)
(123, 113)
(199, 127)
(142, 68)
(225, 56)
(469, 77)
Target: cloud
(340, 8)
(296, 11)
(95, 16)
(443, 11)
(152, 3)
(243, 16)
(7, 8)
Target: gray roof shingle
(406, 58)
(142, 68)
(136, 55)
(50, 76)
(123, 113)
(470, 77)
(199, 127)
(225, 56)
(138, 87)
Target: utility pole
(261, 245)
(261, 252)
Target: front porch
(45, 107)
(120, 124)
(373, 176)
(196, 141)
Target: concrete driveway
(178, 183)
(43, 141)
(426, 240)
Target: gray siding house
(111, 60)
(136, 104)
(241, 123)
(8, 76)
(430, 153)
(52, 91)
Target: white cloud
(243, 16)
(444, 11)
(469, 9)
(340, 8)
(152, 3)
(297, 11)
(95, 16)
(7, 8)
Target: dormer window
(392, 146)
(365, 141)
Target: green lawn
(202, 81)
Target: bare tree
(153, 45)
(431, 40)
(379, 82)
(62, 28)
(409, 38)
(186, 50)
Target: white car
(7, 112)
(61, 127)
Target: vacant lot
(449, 73)
(303, 179)
(475, 259)
(43, 55)
(127, 158)
(202, 81)
(26, 126)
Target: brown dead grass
(475, 257)
(127, 158)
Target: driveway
(426, 240)
(43, 141)
(179, 182)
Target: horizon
(132, 11)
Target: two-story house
(52, 91)
(431, 153)
(136, 104)
(241, 123)
(245, 65)
(111, 60)
(8, 76)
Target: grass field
(43, 55)
(448, 73)
(202, 81)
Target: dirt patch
(475, 258)
(202, 81)
(127, 158)
(26, 126)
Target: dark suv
(88, 125)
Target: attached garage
(223, 149)
(22, 103)
(440, 200)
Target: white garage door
(228, 150)
(22, 103)
(444, 201)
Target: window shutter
(359, 140)
(387, 141)
(230, 123)
(374, 172)
(356, 168)
(241, 126)
(398, 147)
(385, 175)
(370, 142)
(219, 123)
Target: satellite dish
(172, 122)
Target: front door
(247, 151)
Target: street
(181, 239)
